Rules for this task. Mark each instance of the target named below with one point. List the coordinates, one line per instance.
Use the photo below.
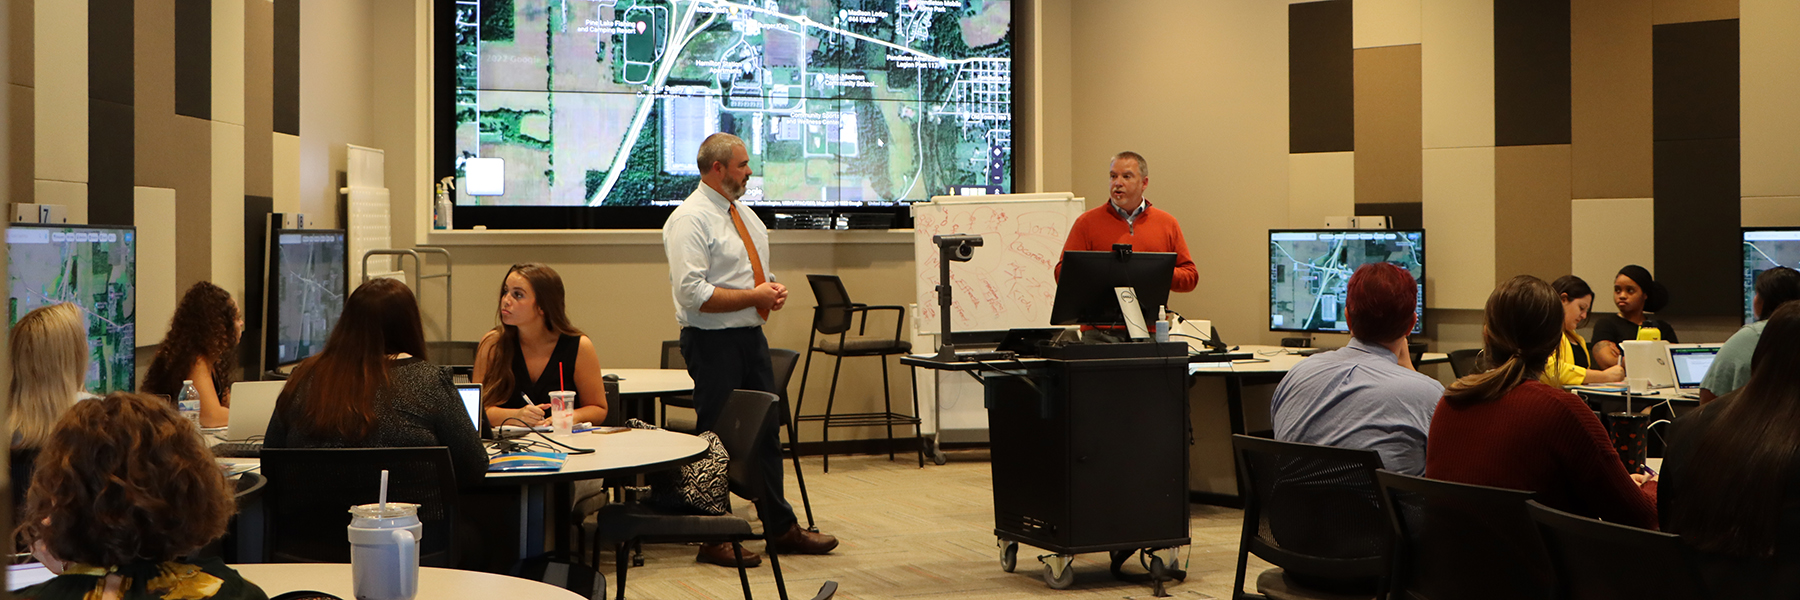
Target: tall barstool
(833, 317)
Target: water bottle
(384, 551)
(188, 402)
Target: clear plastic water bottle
(188, 402)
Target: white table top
(615, 454)
(434, 583)
(652, 381)
(1271, 360)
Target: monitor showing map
(307, 280)
(1764, 249)
(94, 267)
(1309, 270)
(604, 103)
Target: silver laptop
(1649, 360)
(252, 403)
(471, 399)
(1692, 361)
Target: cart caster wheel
(1157, 575)
(938, 458)
(1009, 556)
(1059, 579)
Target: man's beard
(736, 187)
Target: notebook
(1692, 363)
(527, 461)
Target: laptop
(471, 399)
(1692, 361)
(1649, 360)
(252, 403)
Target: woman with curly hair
(202, 346)
(124, 489)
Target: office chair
(310, 490)
(833, 318)
(1460, 541)
(1466, 362)
(1596, 560)
(1315, 512)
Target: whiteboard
(1011, 281)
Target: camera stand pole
(946, 349)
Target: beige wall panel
(1387, 124)
(401, 121)
(62, 91)
(21, 40)
(1385, 22)
(1531, 211)
(228, 61)
(227, 211)
(1607, 234)
(1612, 130)
(178, 155)
(1457, 64)
(21, 142)
(335, 55)
(156, 252)
(1222, 149)
(1320, 184)
(1053, 97)
(1771, 211)
(1459, 226)
(1769, 104)
(285, 168)
(1689, 11)
(71, 195)
(259, 97)
(153, 55)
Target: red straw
(560, 384)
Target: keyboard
(238, 450)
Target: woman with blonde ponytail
(49, 353)
(1507, 428)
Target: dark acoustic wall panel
(1531, 72)
(110, 51)
(1401, 215)
(1695, 82)
(112, 161)
(1698, 249)
(287, 67)
(1321, 78)
(256, 248)
(193, 58)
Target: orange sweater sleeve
(1186, 277)
(1077, 240)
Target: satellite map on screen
(1308, 272)
(95, 268)
(841, 102)
(310, 283)
(1764, 250)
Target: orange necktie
(749, 248)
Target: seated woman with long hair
(1571, 364)
(202, 346)
(49, 355)
(536, 350)
(1507, 428)
(124, 489)
(371, 387)
(1731, 476)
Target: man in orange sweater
(1127, 218)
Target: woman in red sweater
(1506, 428)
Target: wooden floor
(924, 533)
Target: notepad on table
(527, 461)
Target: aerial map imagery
(95, 269)
(840, 102)
(311, 285)
(1309, 271)
(1764, 250)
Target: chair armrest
(899, 323)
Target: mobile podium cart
(1089, 455)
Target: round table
(639, 389)
(434, 583)
(620, 454)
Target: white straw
(384, 492)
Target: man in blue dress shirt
(1365, 395)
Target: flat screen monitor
(307, 276)
(1084, 292)
(1764, 249)
(1309, 270)
(93, 266)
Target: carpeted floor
(924, 533)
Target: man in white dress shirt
(718, 253)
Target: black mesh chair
(311, 490)
(748, 416)
(1465, 362)
(784, 361)
(1461, 541)
(1596, 560)
(1314, 511)
(833, 319)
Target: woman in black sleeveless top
(535, 351)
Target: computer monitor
(1766, 248)
(1309, 270)
(93, 266)
(307, 279)
(1084, 292)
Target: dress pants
(722, 360)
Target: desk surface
(434, 583)
(652, 381)
(615, 454)
(1272, 360)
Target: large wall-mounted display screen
(843, 103)
(1309, 274)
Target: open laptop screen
(1691, 364)
(471, 398)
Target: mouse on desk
(611, 377)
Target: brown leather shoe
(798, 540)
(720, 554)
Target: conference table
(434, 583)
(639, 387)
